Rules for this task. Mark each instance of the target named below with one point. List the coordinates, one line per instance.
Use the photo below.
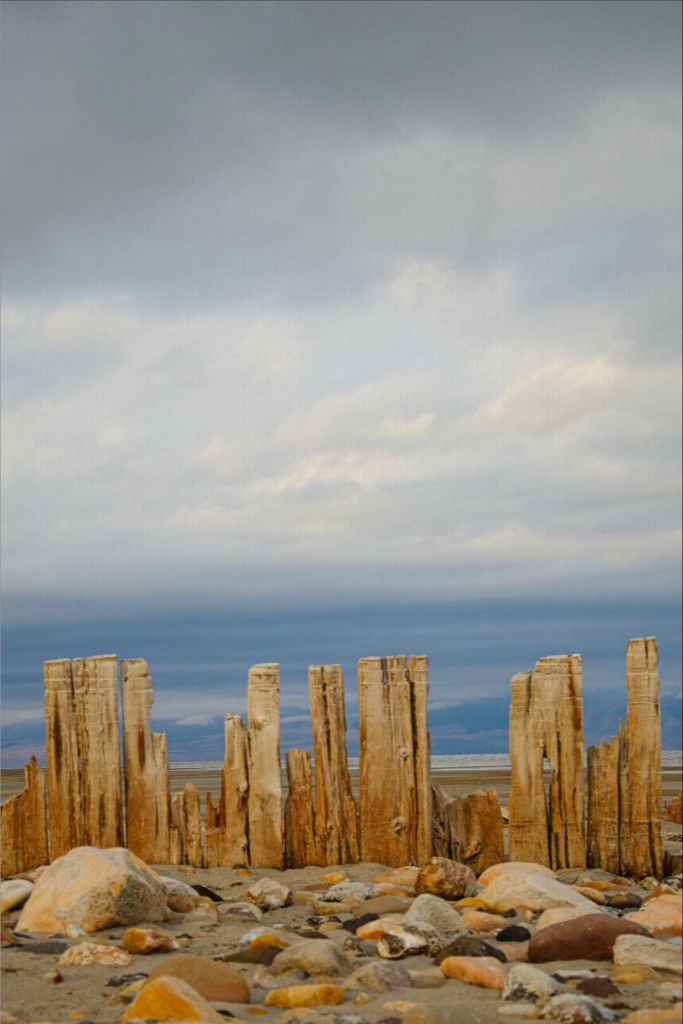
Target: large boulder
(93, 889)
(533, 891)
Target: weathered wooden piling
(468, 829)
(64, 805)
(336, 814)
(227, 832)
(24, 824)
(264, 799)
(546, 721)
(395, 799)
(145, 755)
(300, 834)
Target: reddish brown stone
(590, 937)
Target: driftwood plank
(263, 758)
(24, 824)
(335, 808)
(528, 828)
(300, 836)
(148, 802)
(65, 814)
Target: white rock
(572, 1009)
(433, 910)
(180, 896)
(378, 976)
(529, 984)
(533, 890)
(347, 891)
(269, 894)
(13, 893)
(314, 956)
(640, 949)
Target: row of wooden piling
(399, 817)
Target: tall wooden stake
(24, 824)
(265, 786)
(65, 813)
(300, 848)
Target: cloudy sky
(335, 329)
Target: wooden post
(418, 676)
(64, 806)
(227, 839)
(391, 723)
(176, 833)
(148, 801)
(95, 688)
(602, 835)
(468, 829)
(641, 839)
(24, 824)
(528, 828)
(546, 719)
(263, 759)
(300, 836)
(192, 826)
(336, 824)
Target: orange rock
(146, 940)
(484, 971)
(77, 1015)
(270, 939)
(477, 921)
(257, 1011)
(241, 871)
(398, 876)
(668, 1015)
(212, 979)
(596, 883)
(661, 916)
(387, 889)
(333, 877)
(399, 1005)
(305, 995)
(513, 865)
(163, 999)
(468, 901)
(634, 974)
(373, 929)
(86, 953)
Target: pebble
(480, 921)
(263, 936)
(468, 945)
(663, 915)
(446, 878)
(268, 894)
(670, 1015)
(241, 909)
(571, 1009)
(378, 926)
(521, 866)
(13, 893)
(382, 905)
(486, 972)
(425, 1014)
(426, 977)
(634, 974)
(529, 984)
(406, 876)
(433, 910)
(603, 988)
(513, 933)
(334, 877)
(528, 1010)
(94, 889)
(625, 901)
(180, 896)
(168, 999)
(95, 953)
(314, 956)
(594, 895)
(305, 995)
(532, 890)
(585, 938)
(347, 890)
(399, 942)
(212, 979)
(639, 949)
(379, 976)
(146, 940)
(670, 990)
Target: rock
(406, 876)
(382, 905)
(263, 955)
(594, 895)
(269, 894)
(263, 936)
(399, 1005)
(483, 971)
(146, 940)
(522, 867)
(373, 929)
(625, 901)
(672, 990)
(446, 878)
(571, 1009)
(347, 891)
(603, 988)
(379, 976)
(555, 915)
(513, 933)
(433, 910)
(334, 877)
(661, 916)
(248, 911)
(446, 1014)
(528, 1010)
(585, 938)
(529, 984)
(480, 921)
(314, 956)
(669, 1015)
(50, 946)
(203, 914)
(575, 974)
(426, 977)
(532, 890)
(634, 974)
(639, 949)
(354, 923)
(468, 945)
(517, 951)
(95, 953)
(13, 893)
(167, 998)
(305, 995)
(399, 942)
(349, 906)
(213, 980)
(179, 896)
(94, 889)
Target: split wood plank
(300, 835)
(227, 841)
(264, 799)
(24, 824)
(64, 803)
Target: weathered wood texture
(546, 720)
(391, 748)
(641, 840)
(148, 801)
(300, 836)
(336, 814)
(227, 840)
(602, 832)
(468, 828)
(264, 801)
(24, 824)
(95, 687)
(187, 837)
(64, 804)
